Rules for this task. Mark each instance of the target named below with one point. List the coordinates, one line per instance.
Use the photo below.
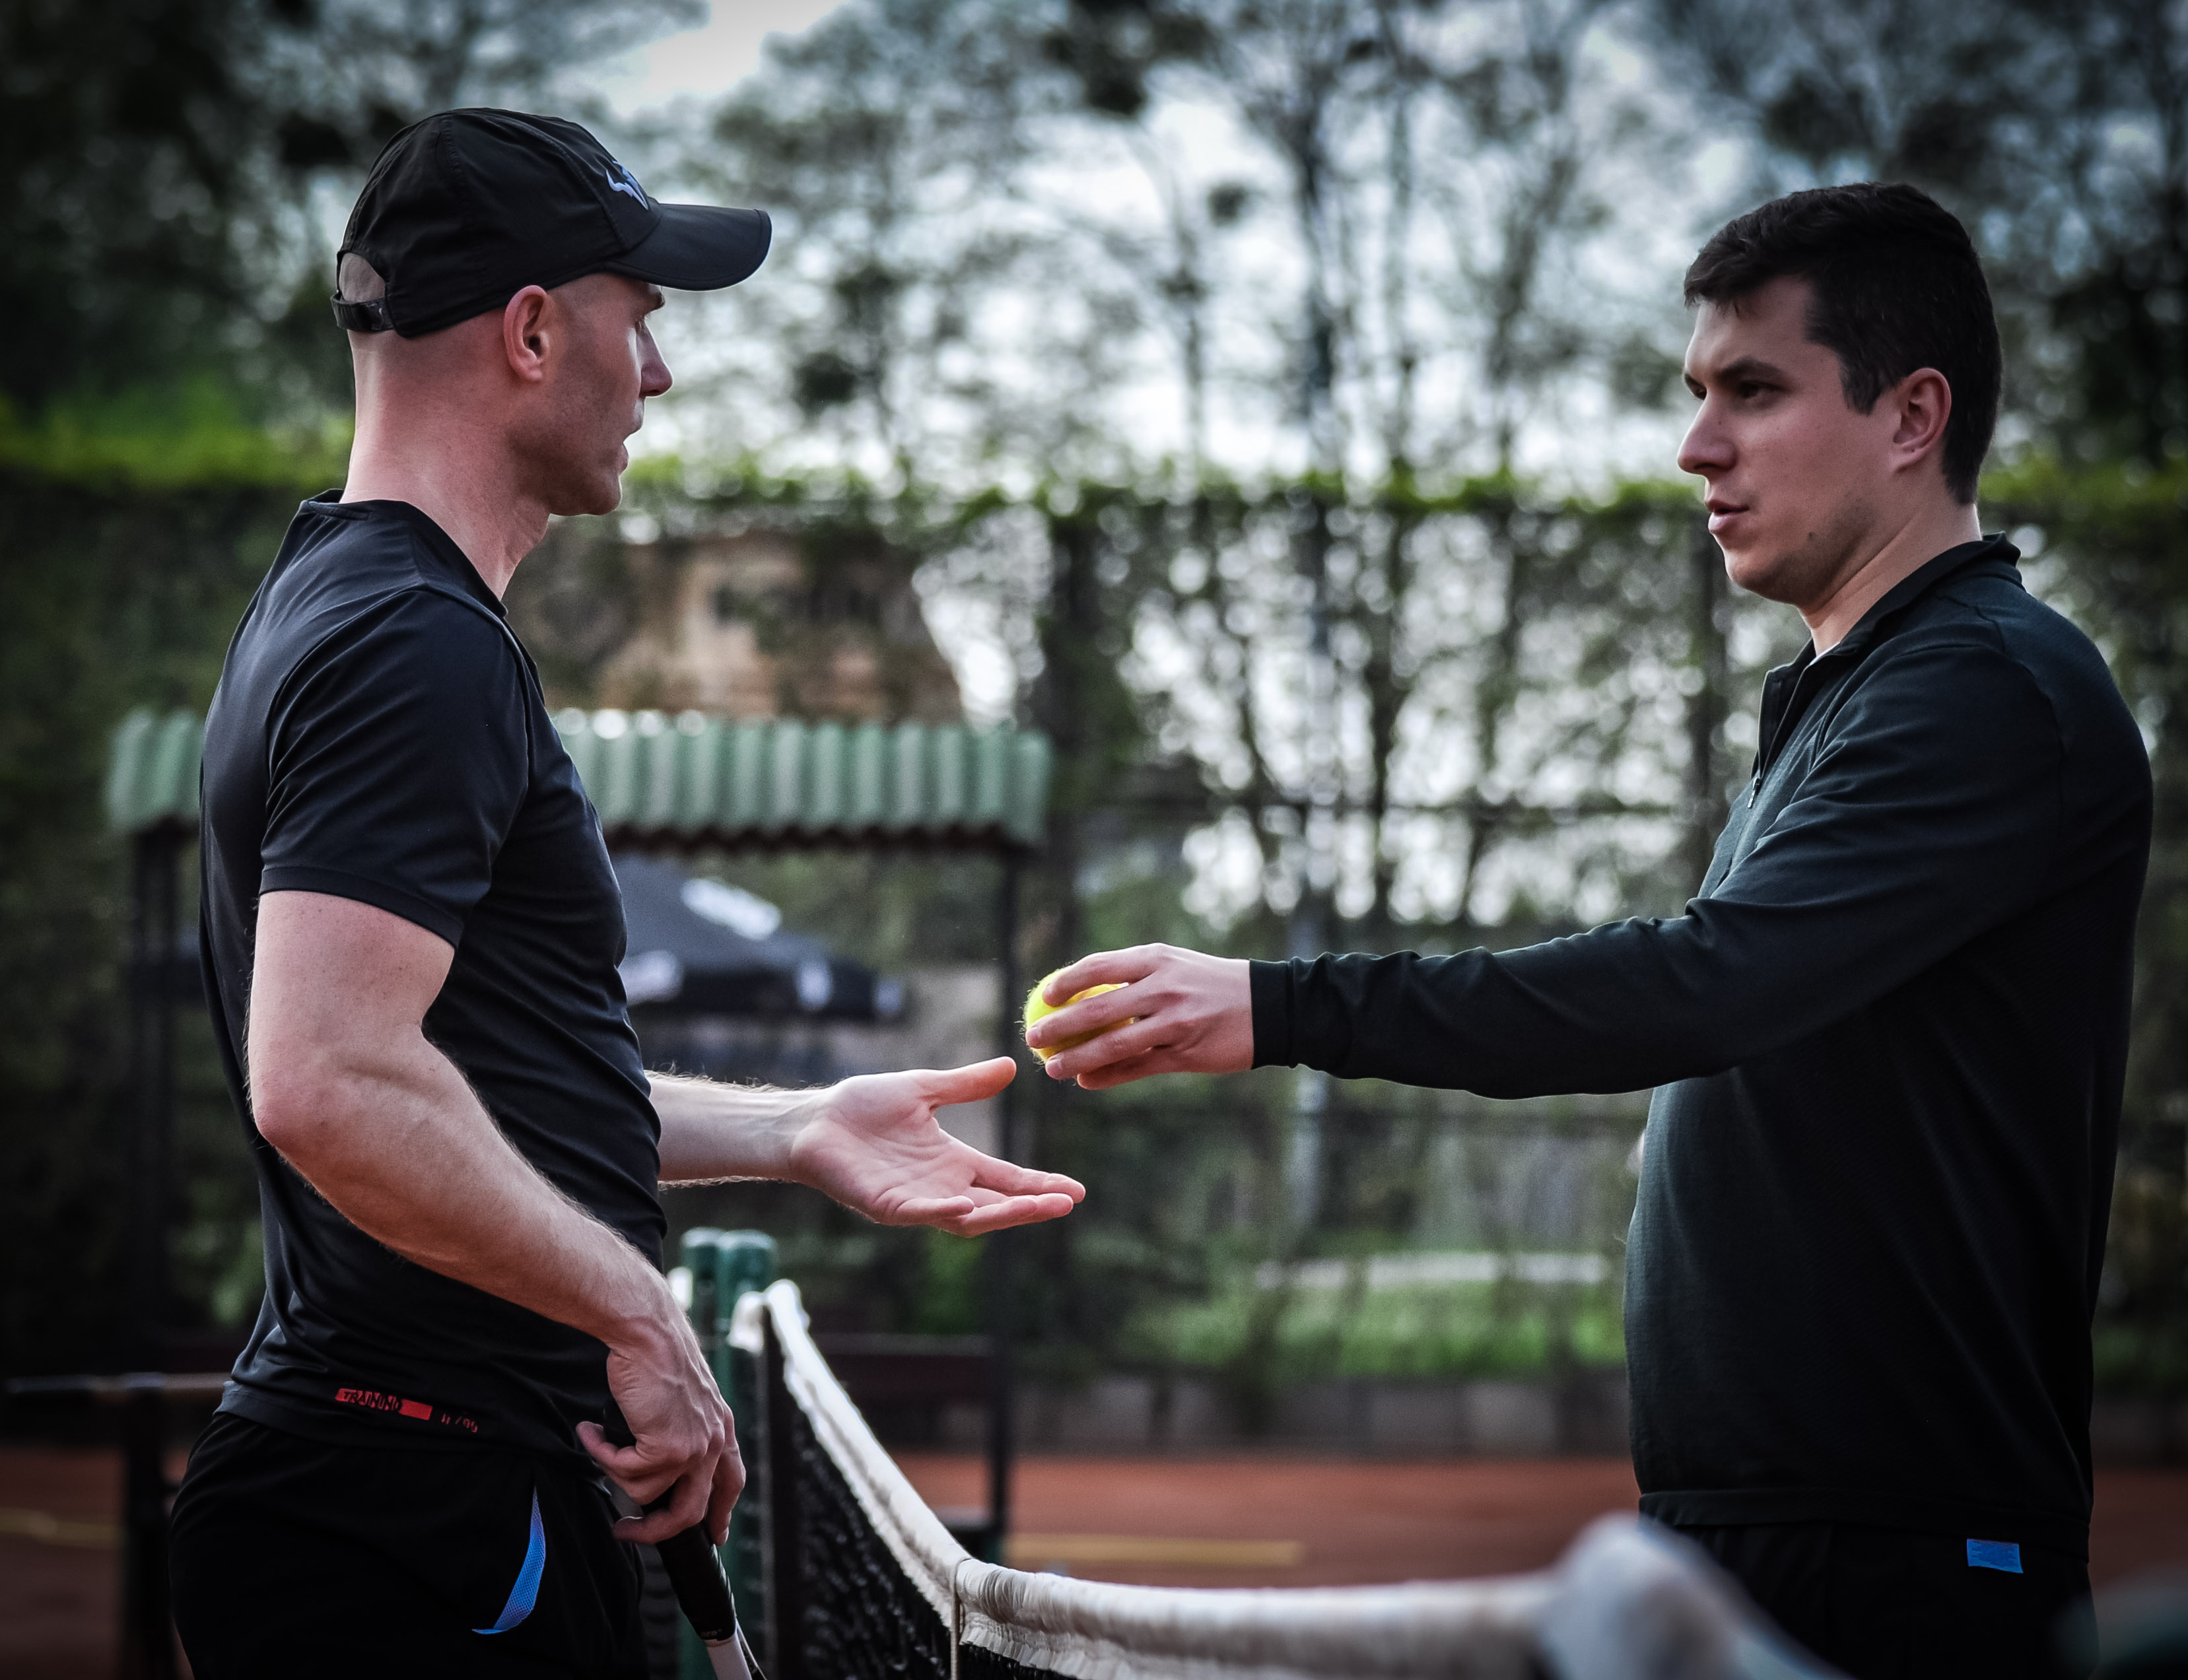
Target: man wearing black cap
(412, 931)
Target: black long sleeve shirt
(1887, 1037)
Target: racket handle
(694, 1574)
(702, 1591)
(695, 1570)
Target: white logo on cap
(627, 184)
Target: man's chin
(1760, 572)
(596, 496)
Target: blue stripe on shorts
(526, 1592)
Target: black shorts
(1881, 1603)
(292, 1556)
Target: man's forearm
(711, 1132)
(403, 1151)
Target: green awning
(152, 773)
(688, 779)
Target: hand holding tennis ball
(1191, 1014)
(1038, 1008)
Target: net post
(725, 1266)
(747, 1266)
(148, 1650)
(784, 1615)
(147, 1640)
(698, 1254)
(155, 860)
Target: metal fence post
(148, 1648)
(148, 1616)
(725, 1265)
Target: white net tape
(1628, 1600)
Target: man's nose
(1704, 449)
(653, 376)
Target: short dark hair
(1896, 286)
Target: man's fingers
(1111, 1073)
(1028, 1195)
(1088, 1015)
(929, 1210)
(996, 1175)
(686, 1505)
(1119, 1044)
(972, 1083)
(1103, 968)
(688, 1508)
(728, 1483)
(1011, 1211)
(628, 1465)
(644, 1475)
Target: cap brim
(698, 247)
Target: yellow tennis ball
(1038, 1008)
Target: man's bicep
(336, 985)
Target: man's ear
(526, 334)
(1923, 404)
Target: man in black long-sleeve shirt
(1888, 1034)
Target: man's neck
(1913, 544)
(471, 492)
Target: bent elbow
(290, 1109)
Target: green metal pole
(725, 1265)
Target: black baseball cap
(465, 209)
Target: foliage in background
(1019, 240)
(110, 597)
(2111, 550)
(167, 162)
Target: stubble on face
(1806, 572)
(576, 444)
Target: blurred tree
(110, 598)
(125, 130)
(2111, 549)
(358, 70)
(1343, 97)
(888, 142)
(155, 212)
(2057, 128)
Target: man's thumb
(971, 1083)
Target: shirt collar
(1918, 583)
(437, 542)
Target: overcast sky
(707, 61)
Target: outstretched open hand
(873, 1143)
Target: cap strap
(369, 316)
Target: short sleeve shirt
(380, 735)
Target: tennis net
(861, 1580)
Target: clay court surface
(1437, 1518)
(1235, 1522)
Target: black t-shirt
(1889, 1036)
(378, 734)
